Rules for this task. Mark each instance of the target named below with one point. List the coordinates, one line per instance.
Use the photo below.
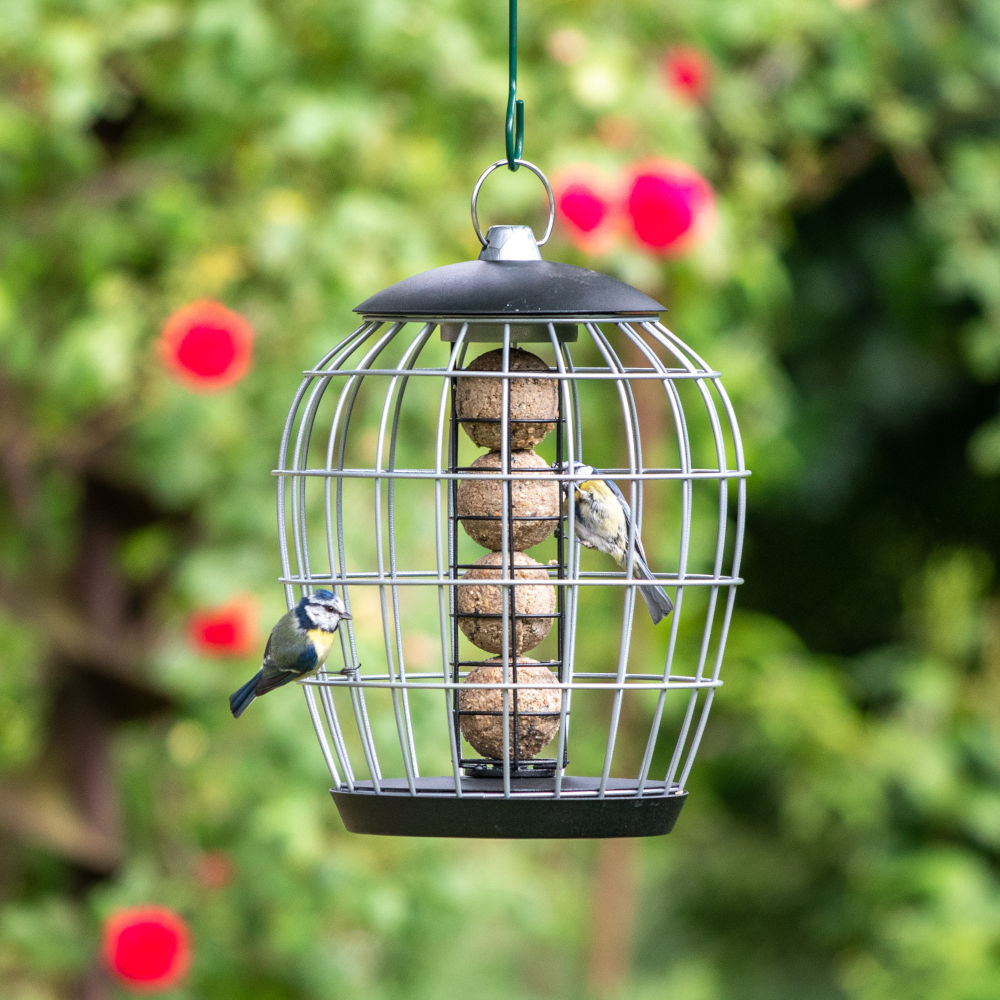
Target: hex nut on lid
(481, 500)
(533, 401)
(480, 605)
(537, 708)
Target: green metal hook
(515, 107)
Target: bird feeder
(496, 679)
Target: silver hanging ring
(538, 173)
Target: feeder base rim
(433, 809)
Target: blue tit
(603, 522)
(297, 646)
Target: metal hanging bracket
(515, 106)
(485, 241)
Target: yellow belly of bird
(323, 643)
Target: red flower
(206, 345)
(582, 207)
(668, 204)
(147, 947)
(228, 630)
(687, 72)
(586, 212)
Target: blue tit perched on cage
(603, 522)
(298, 645)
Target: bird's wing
(288, 651)
(613, 486)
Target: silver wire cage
(595, 734)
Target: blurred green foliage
(842, 840)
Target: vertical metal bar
(447, 560)
(336, 733)
(679, 351)
(734, 570)
(399, 696)
(301, 458)
(337, 445)
(722, 465)
(287, 484)
(567, 452)
(296, 486)
(684, 459)
(633, 445)
(320, 734)
(508, 606)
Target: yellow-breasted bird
(603, 520)
(298, 645)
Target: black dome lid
(504, 288)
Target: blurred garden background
(196, 193)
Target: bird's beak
(345, 614)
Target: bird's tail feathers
(240, 699)
(657, 601)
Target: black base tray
(530, 811)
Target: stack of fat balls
(532, 501)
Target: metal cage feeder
(423, 475)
